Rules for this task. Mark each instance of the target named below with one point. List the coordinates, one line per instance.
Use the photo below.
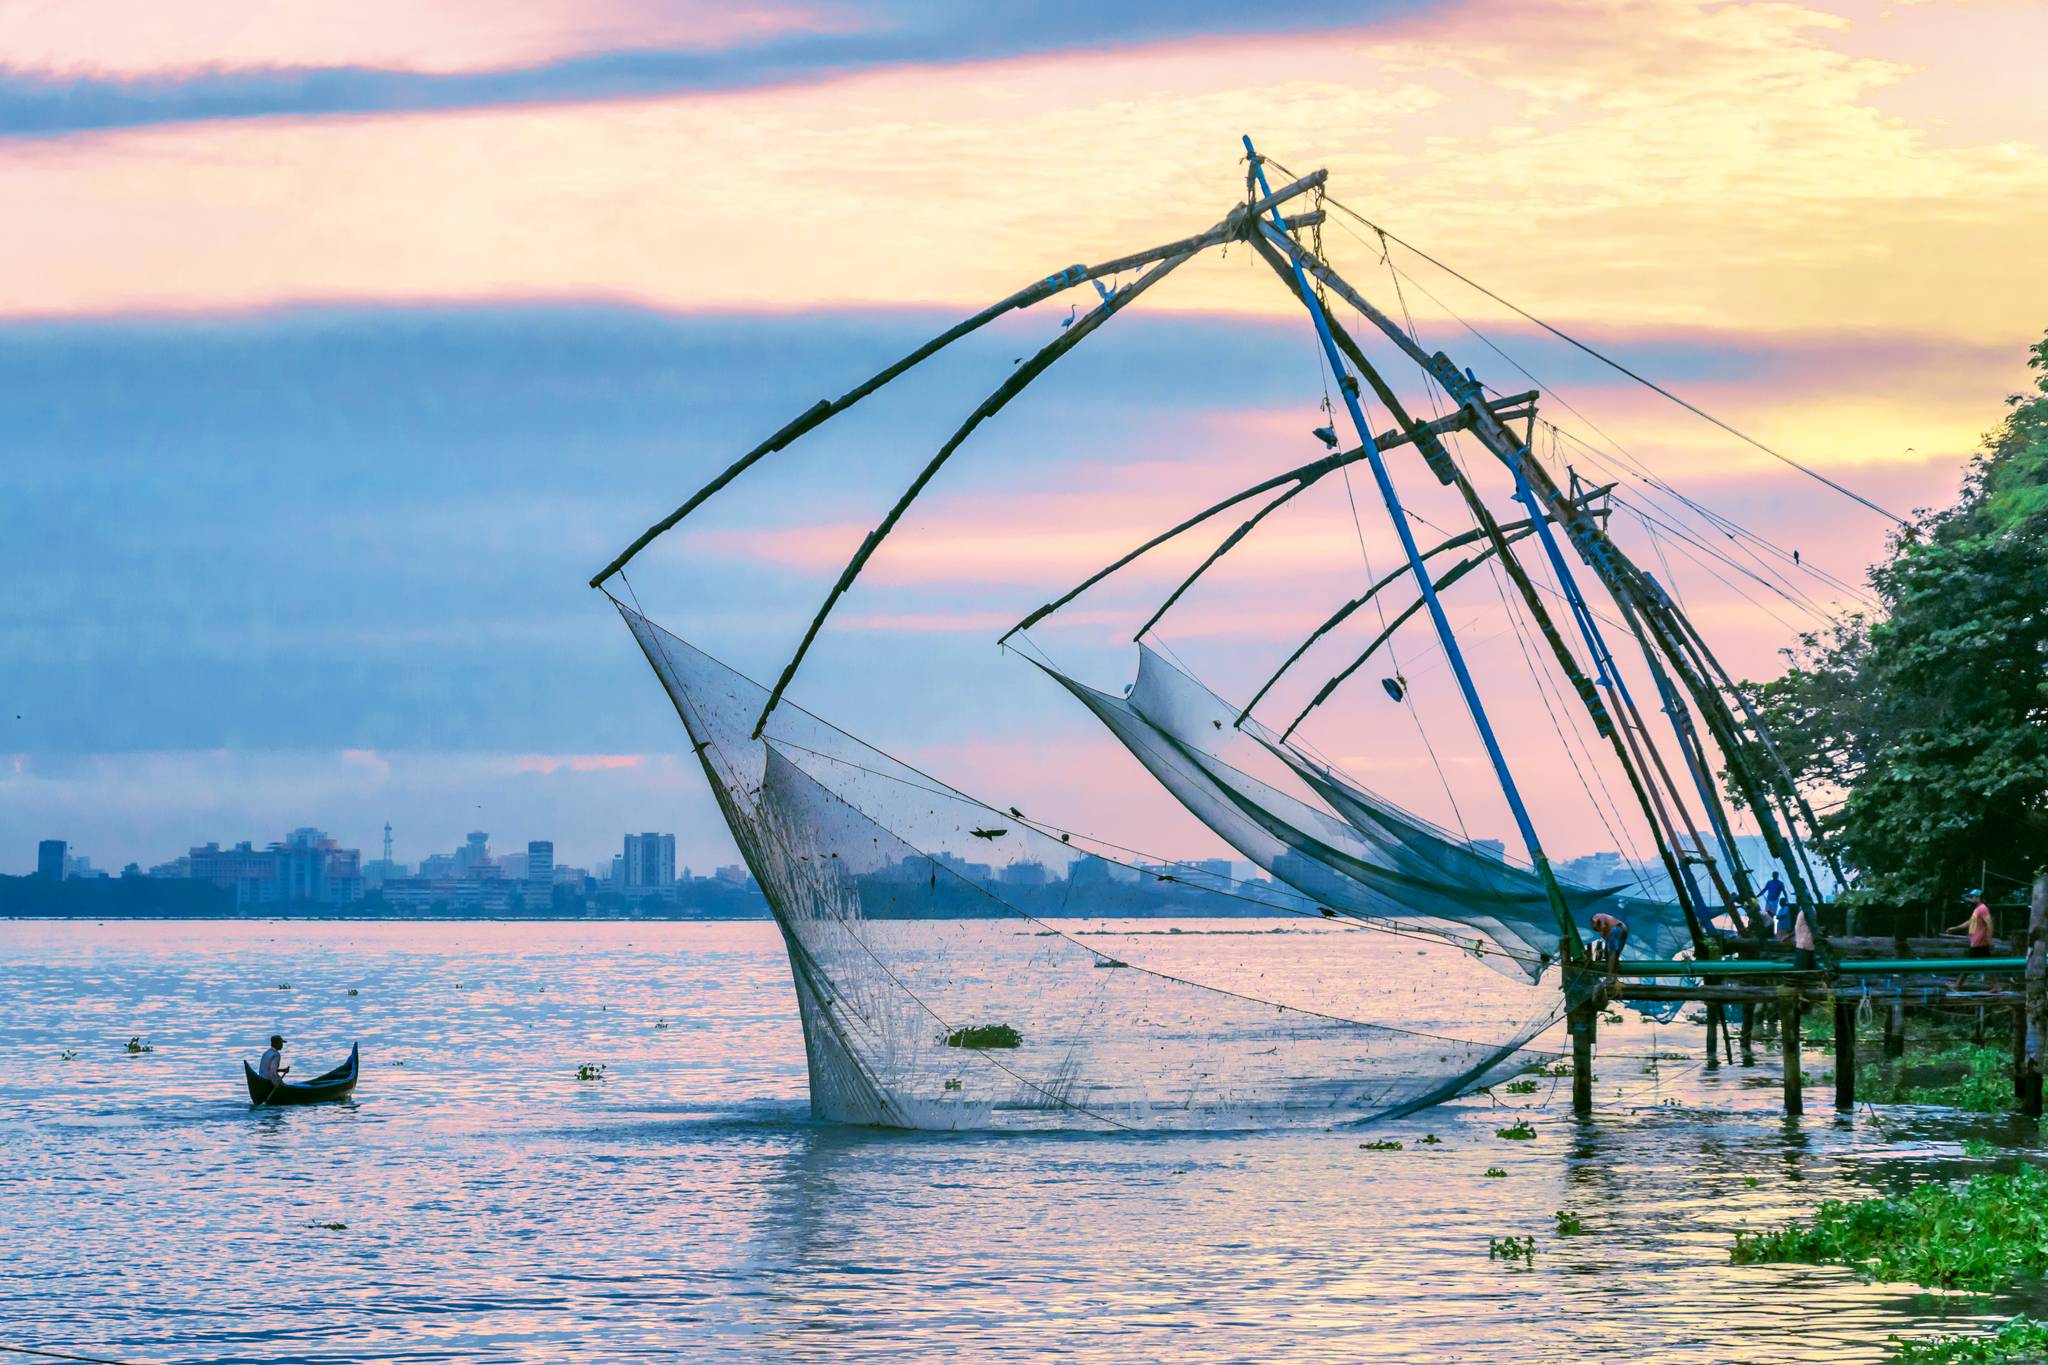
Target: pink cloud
(142, 37)
(575, 763)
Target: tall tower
(387, 843)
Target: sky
(341, 344)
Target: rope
(61, 1355)
(1616, 365)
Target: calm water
(684, 1208)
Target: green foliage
(1978, 1078)
(135, 1045)
(1933, 717)
(2022, 1339)
(1495, 1173)
(985, 1036)
(1978, 1147)
(1383, 1145)
(1568, 1224)
(1521, 1249)
(1518, 1131)
(1430, 1139)
(590, 1071)
(1981, 1234)
(1521, 1087)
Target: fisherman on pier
(1978, 926)
(1613, 935)
(1775, 904)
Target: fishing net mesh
(959, 965)
(1358, 853)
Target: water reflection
(494, 1208)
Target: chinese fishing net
(959, 965)
(1358, 853)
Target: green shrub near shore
(1980, 1234)
(2022, 1339)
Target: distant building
(540, 873)
(1217, 870)
(474, 855)
(378, 871)
(650, 862)
(734, 873)
(1025, 874)
(50, 859)
(177, 869)
(307, 868)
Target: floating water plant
(1382, 1145)
(1978, 1147)
(1511, 1249)
(353, 991)
(590, 1071)
(2022, 1339)
(1518, 1131)
(661, 1023)
(1751, 1181)
(1430, 1139)
(331, 1227)
(1495, 1173)
(67, 1055)
(1568, 1224)
(1981, 1234)
(953, 1084)
(135, 1045)
(1523, 1087)
(985, 1036)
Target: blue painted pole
(1567, 930)
(1596, 643)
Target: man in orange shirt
(1979, 927)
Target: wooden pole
(1895, 1031)
(1845, 1054)
(1584, 1020)
(2019, 1054)
(1748, 1035)
(1788, 1046)
(1714, 1030)
(2037, 996)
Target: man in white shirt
(272, 1067)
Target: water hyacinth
(1980, 1234)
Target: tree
(1930, 720)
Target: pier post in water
(1583, 1021)
(1895, 1031)
(2037, 996)
(1788, 1040)
(1715, 1026)
(1845, 1054)
(1748, 1035)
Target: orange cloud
(1656, 162)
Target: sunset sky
(342, 343)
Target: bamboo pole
(1584, 1021)
(1845, 1054)
(1232, 226)
(989, 407)
(1788, 1048)
(2037, 995)
(1714, 1029)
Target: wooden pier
(1893, 976)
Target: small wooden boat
(335, 1085)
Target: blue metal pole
(1445, 636)
(1596, 643)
